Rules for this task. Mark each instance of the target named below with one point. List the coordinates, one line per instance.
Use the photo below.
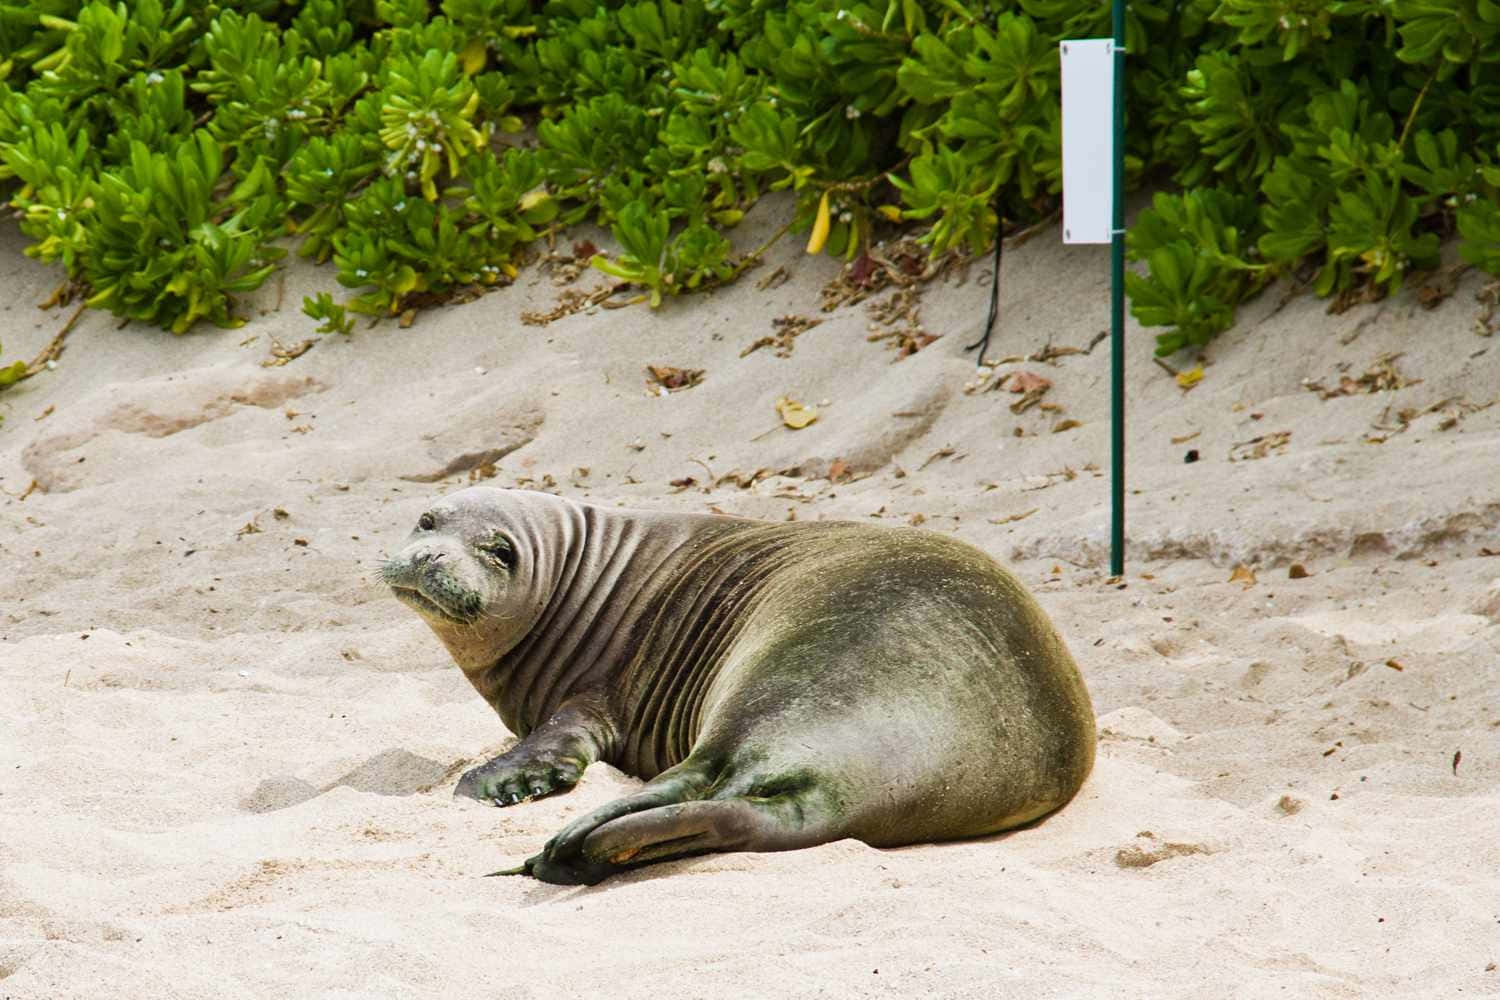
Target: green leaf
(1479, 224)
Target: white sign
(1088, 139)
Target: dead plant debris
(1440, 286)
(669, 379)
(901, 263)
(1357, 296)
(775, 279)
(1489, 298)
(49, 354)
(1381, 376)
(945, 452)
(1066, 475)
(1051, 352)
(281, 354)
(1260, 446)
(566, 268)
(571, 301)
(897, 321)
(547, 484)
(63, 294)
(1453, 410)
(788, 328)
(1030, 387)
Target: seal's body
(779, 685)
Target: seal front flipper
(550, 759)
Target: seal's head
(475, 568)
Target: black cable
(983, 342)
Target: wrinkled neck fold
(593, 574)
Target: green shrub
(1198, 267)
(335, 319)
(165, 153)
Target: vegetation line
(167, 154)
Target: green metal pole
(1117, 312)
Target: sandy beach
(228, 753)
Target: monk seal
(777, 685)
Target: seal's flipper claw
(573, 872)
(527, 867)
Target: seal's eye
(426, 522)
(500, 549)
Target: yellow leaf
(1189, 379)
(474, 55)
(1242, 574)
(891, 212)
(534, 198)
(11, 374)
(794, 414)
(821, 224)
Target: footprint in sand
(390, 772)
(1132, 723)
(126, 414)
(1144, 856)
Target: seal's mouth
(425, 605)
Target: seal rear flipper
(682, 829)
